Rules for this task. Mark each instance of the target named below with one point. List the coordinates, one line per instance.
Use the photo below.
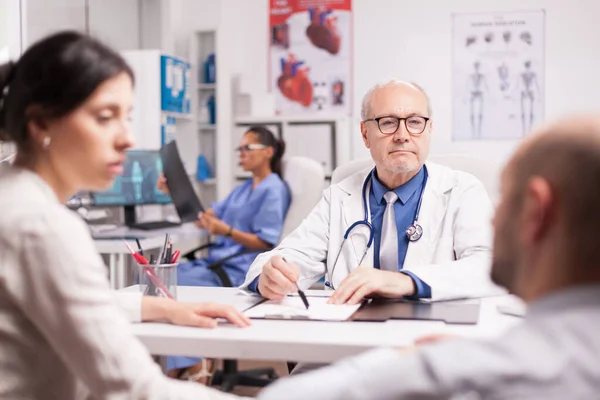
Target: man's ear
(538, 210)
(365, 137)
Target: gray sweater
(553, 354)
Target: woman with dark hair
(248, 221)
(66, 105)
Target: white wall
(44, 17)
(114, 21)
(10, 29)
(400, 29)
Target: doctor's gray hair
(366, 103)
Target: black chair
(230, 376)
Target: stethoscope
(414, 232)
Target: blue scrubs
(260, 211)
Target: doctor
(413, 228)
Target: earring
(46, 142)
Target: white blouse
(63, 332)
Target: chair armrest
(191, 255)
(217, 266)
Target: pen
(150, 272)
(169, 255)
(161, 256)
(141, 251)
(300, 292)
(302, 296)
(175, 256)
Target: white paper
(292, 307)
(498, 74)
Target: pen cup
(158, 280)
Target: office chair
(485, 170)
(305, 178)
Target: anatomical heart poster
(498, 74)
(310, 56)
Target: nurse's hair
(50, 80)
(267, 138)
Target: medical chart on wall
(498, 74)
(310, 54)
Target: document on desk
(293, 308)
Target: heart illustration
(296, 88)
(293, 81)
(322, 31)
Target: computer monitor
(137, 184)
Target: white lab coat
(453, 255)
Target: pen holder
(158, 280)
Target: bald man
(546, 251)
(423, 231)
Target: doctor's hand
(278, 278)
(367, 281)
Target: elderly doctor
(414, 229)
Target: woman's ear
(36, 124)
(270, 152)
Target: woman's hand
(212, 224)
(161, 184)
(203, 315)
(198, 222)
(190, 314)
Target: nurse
(250, 218)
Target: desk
(185, 237)
(302, 341)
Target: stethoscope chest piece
(414, 232)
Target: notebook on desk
(292, 308)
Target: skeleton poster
(310, 56)
(498, 74)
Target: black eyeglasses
(388, 125)
(250, 147)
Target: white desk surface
(149, 239)
(303, 341)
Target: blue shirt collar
(404, 192)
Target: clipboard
(182, 193)
(450, 312)
(291, 308)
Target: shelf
(178, 115)
(210, 181)
(289, 118)
(207, 86)
(206, 126)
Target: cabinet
(205, 102)
(162, 100)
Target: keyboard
(147, 226)
(99, 228)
